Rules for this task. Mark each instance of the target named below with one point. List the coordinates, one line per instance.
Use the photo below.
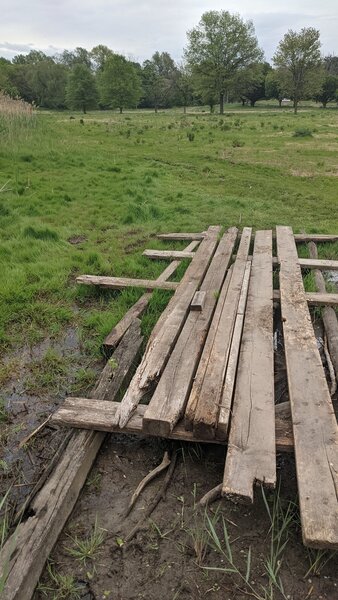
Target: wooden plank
(230, 376)
(181, 236)
(138, 308)
(167, 254)
(168, 328)
(315, 237)
(169, 399)
(84, 414)
(324, 265)
(251, 456)
(329, 315)
(314, 423)
(314, 298)
(198, 301)
(119, 283)
(210, 374)
(27, 549)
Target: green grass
(88, 199)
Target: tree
(119, 83)
(99, 56)
(273, 87)
(79, 56)
(159, 77)
(219, 47)
(81, 91)
(298, 62)
(330, 64)
(184, 86)
(249, 83)
(328, 90)
(47, 81)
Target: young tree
(81, 91)
(328, 90)
(119, 83)
(219, 47)
(159, 81)
(298, 62)
(249, 83)
(184, 86)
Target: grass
(60, 586)
(84, 549)
(88, 199)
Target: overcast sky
(137, 28)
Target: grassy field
(85, 194)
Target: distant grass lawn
(86, 198)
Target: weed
(84, 380)
(86, 548)
(318, 559)
(60, 587)
(48, 373)
(302, 132)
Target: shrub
(302, 132)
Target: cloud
(140, 27)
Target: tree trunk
(280, 102)
(121, 110)
(156, 108)
(84, 109)
(243, 101)
(252, 103)
(324, 104)
(221, 103)
(227, 97)
(295, 105)
(184, 109)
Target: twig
(26, 439)
(164, 464)
(211, 496)
(3, 187)
(158, 496)
(331, 369)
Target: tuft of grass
(59, 586)
(84, 380)
(84, 549)
(41, 234)
(302, 132)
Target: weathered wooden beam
(168, 254)
(314, 423)
(168, 328)
(314, 298)
(181, 236)
(329, 315)
(23, 556)
(139, 307)
(84, 414)
(323, 265)
(198, 301)
(251, 456)
(169, 399)
(315, 237)
(230, 375)
(209, 379)
(119, 283)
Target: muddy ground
(181, 552)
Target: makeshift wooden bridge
(208, 369)
(209, 365)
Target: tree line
(222, 63)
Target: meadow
(86, 194)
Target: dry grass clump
(14, 107)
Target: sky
(137, 28)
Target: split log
(168, 328)
(181, 236)
(315, 237)
(169, 399)
(139, 307)
(251, 456)
(324, 265)
(198, 301)
(328, 314)
(314, 423)
(24, 554)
